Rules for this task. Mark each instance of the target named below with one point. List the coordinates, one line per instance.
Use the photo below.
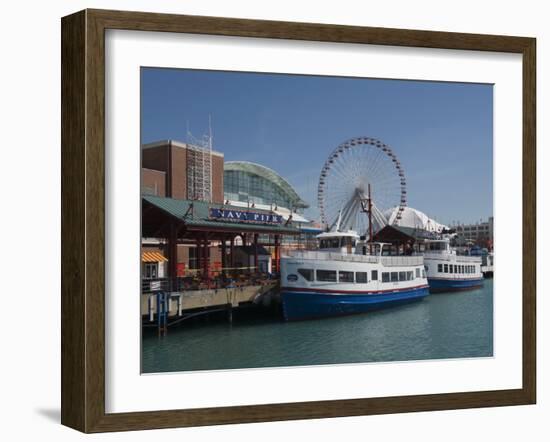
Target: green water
(443, 325)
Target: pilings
(162, 313)
(163, 309)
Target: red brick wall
(154, 179)
(157, 158)
(160, 157)
(217, 179)
(179, 173)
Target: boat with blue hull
(450, 285)
(300, 304)
(336, 281)
(447, 271)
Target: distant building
(479, 233)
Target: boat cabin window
(326, 275)
(336, 243)
(417, 273)
(423, 273)
(329, 243)
(345, 276)
(440, 268)
(361, 277)
(450, 268)
(410, 276)
(394, 276)
(385, 277)
(435, 246)
(402, 276)
(374, 275)
(307, 274)
(446, 268)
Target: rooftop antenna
(210, 130)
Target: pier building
(197, 240)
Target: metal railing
(183, 284)
(384, 260)
(457, 258)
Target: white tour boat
(336, 280)
(448, 271)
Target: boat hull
(438, 285)
(301, 304)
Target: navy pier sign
(245, 216)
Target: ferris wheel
(343, 190)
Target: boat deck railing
(457, 258)
(334, 256)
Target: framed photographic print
(270, 220)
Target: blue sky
(441, 132)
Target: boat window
(385, 277)
(345, 276)
(361, 277)
(450, 268)
(402, 276)
(446, 268)
(440, 268)
(329, 243)
(410, 276)
(418, 273)
(326, 275)
(456, 268)
(307, 274)
(374, 275)
(462, 267)
(394, 277)
(423, 273)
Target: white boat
(448, 271)
(336, 280)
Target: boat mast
(370, 220)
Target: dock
(162, 309)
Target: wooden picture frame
(83, 220)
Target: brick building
(179, 170)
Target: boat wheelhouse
(336, 280)
(448, 271)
